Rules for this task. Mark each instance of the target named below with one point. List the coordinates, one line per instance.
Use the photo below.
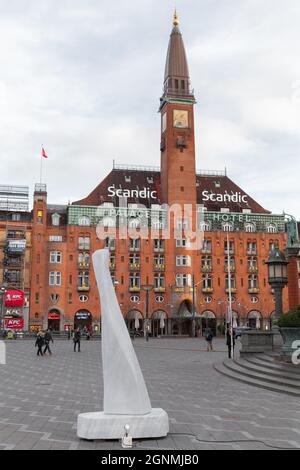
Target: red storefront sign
(54, 316)
(14, 298)
(13, 323)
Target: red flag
(44, 153)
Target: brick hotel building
(63, 288)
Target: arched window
(271, 228)
(55, 219)
(134, 223)
(108, 222)
(228, 227)
(250, 228)
(205, 227)
(84, 221)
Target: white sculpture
(126, 399)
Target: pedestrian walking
(209, 339)
(48, 338)
(230, 341)
(76, 339)
(39, 343)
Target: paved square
(40, 399)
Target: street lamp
(278, 279)
(2, 292)
(148, 288)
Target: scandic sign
(147, 193)
(14, 298)
(14, 323)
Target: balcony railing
(134, 289)
(134, 266)
(83, 288)
(254, 290)
(252, 269)
(134, 249)
(159, 249)
(252, 252)
(207, 290)
(233, 290)
(159, 290)
(232, 269)
(159, 267)
(207, 269)
(84, 265)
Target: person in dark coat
(39, 343)
(77, 338)
(209, 339)
(48, 338)
(228, 341)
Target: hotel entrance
(83, 320)
(54, 320)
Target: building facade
(162, 281)
(15, 252)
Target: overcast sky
(84, 77)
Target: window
(250, 228)
(83, 298)
(55, 220)
(134, 223)
(252, 264)
(134, 281)
(229, 247)
(228, 227)
(271, 228)
(182, 243)
(233, 281)
(159, 245)
(251, 248)
(55, 238)
(159, 281)
(207, 246)
(183, 280)
(55, 278)
(83, 260)
(253, 282)
(83, 279)
(84, 221)
(55, 257)
(206, 263)
(54, 298)
(183, 261)
(134, 261)
(207, 281)
(204, 227)
(182, 224)
(16, 217)
(84, 243)
(109, 222)
(134, 244)
(232, 263)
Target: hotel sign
(145, 193)
(236, 197)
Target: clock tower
(178, 171)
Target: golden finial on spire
(175, 19)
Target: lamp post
(278, 279)
(2, 292)
(148, 288)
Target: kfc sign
(14, 298)
(13, 323)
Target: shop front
(83, 319)
(54, 320)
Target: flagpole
(230, 297)
(41, 169)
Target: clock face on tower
(181, 119)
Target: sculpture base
(96, 426)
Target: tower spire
(177, 77)
(175, 19)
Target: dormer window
(217, 184)
(128, 179)
(56, 220)
(84, 221)
(150, 179)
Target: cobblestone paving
(40, 399)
